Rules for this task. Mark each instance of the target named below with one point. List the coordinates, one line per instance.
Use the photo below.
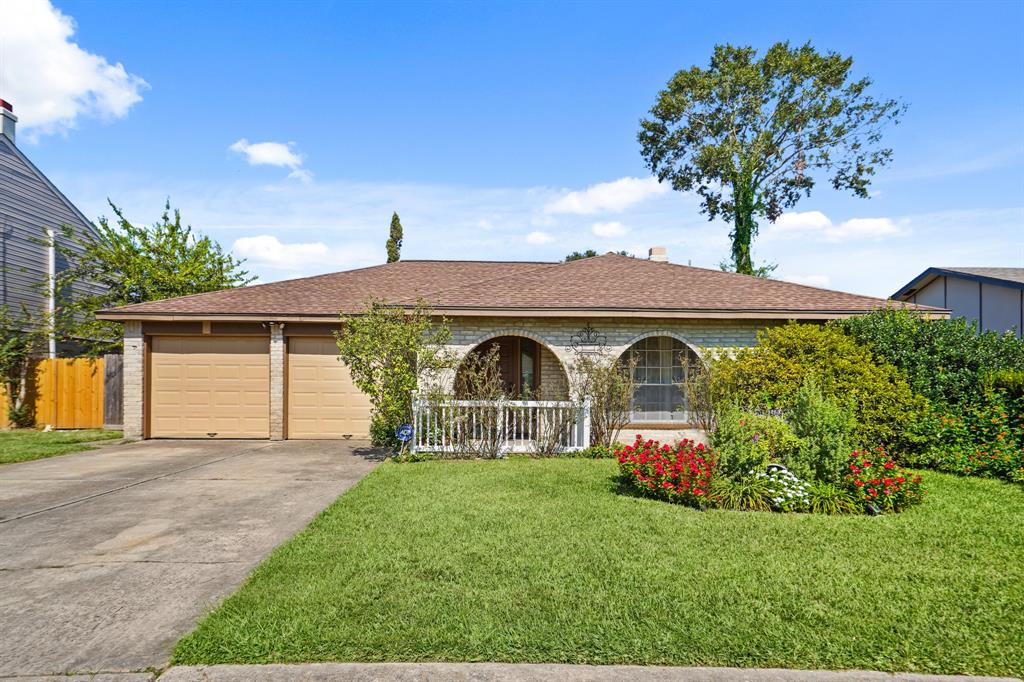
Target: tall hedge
(770, 374)
(944, 360)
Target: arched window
(662, 365)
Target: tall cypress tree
(394, 244)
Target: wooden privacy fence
(75, 393)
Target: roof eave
(459, 311)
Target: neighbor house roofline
(926, 277)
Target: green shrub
(985, 438)
(879, 485)
(746, 443)
(829, 498)
(746, 493)
(596, 452)
(946, 361)
(771, 373)
(825, 430)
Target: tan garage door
(322, 400)
(208, 386)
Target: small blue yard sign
(404, 433)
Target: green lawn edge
(541, 561)
(26, 446)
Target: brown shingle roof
(608, 283)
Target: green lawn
(22, 446)
(535, 561)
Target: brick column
(277, 386)
(134, 379)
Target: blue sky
(502, 130)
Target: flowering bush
(985, 439)
(876, 481)
(787, 492)
(682, 474)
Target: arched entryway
(529, 370)
(661, 364)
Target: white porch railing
(496, 428)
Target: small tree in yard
(609, 384)
(19, 339)
(750, 135)
(394, 243)
(124, 263)
(391, 352)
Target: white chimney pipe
(7, 119)
(659, 254)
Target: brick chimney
(658, 254)
(7, 119)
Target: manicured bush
(878, 484)
(682, 474)
(825, 431)
(946, 361)
(746, 443)
(771, 373)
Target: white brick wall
(278, 349)
(134, 381)
(555, 334)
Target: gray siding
(1000, 308)
(934, 294)
(28, 205)
(963, 298)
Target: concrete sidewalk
(503, 672)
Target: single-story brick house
(260, 361)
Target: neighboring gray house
(992, 297)
(30, 205)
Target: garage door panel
(323, 402)
(210, 385)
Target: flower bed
(681, 474)
(688, 473)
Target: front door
(519, 364)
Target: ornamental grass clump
(682, 474)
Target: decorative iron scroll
(587, 339)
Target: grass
(541, 561)
(26, 445)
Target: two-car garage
(210, 386)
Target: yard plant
(524, 560)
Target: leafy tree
(394, 244)
(576, 255)
(750, 135)
(391, 352)
(20, 337)
(590, 253)
(125, 264)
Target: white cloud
(274, 154)
(267, 251)
(49, 79)
(816, 223)
(809, 280)
(615, 196)
(609, 229)
(538, 237)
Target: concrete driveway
(108, 557)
